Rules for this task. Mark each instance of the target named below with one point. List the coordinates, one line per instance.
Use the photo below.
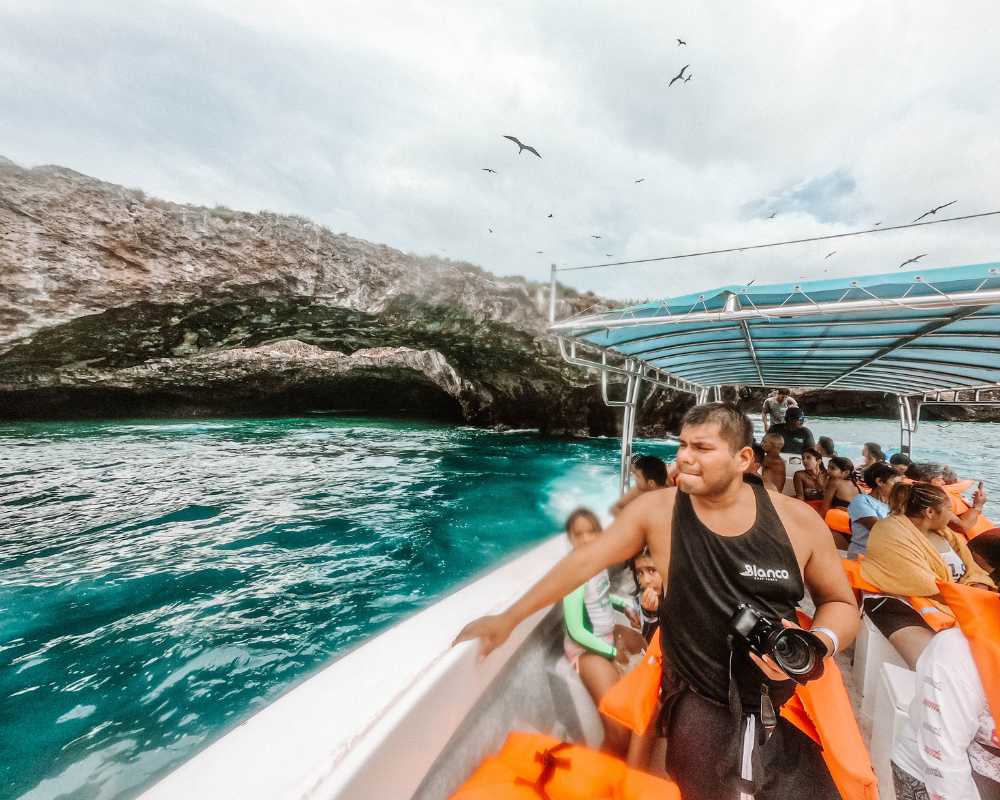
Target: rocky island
(117, 304)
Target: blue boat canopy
(905, 333)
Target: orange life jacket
(838, 520)
(821, 709)
(532, 766)
(978, 613)
(931, 614)
(959, 507)
(633, 700)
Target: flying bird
(594, 236)
(679, 76)
(550, 216)
(521, 146)
(487, 169)
(609, 255)
(690, 75)
(832, 252)
(751, 283)
(933, 211)
(877, 224)
(681, 42)
(539, 252)
(490, 230)
(912, 260)
(640, 180)
(773, 215)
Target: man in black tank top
(720, 542)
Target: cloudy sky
(377, 118)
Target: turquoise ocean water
(159, 581)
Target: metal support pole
(628, 425)
(552, 293)
(906, 426)
(717, 393)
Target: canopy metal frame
(898, 334)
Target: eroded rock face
(112, 303)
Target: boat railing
(372, 723)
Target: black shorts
(699, 732)
(890, 614)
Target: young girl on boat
(649, 589)
(596, 647)
(810, 481)
(841, 487)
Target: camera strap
(742, 766)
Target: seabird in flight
(679, 76)
(933, 211)
(521, 146)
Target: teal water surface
(159, 581)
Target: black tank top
(710, 575)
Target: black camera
(799, 653)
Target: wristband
(833, 638)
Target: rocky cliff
(113, 303)
(116, 304)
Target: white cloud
(376, 118)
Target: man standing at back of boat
(720, 542)
(775, 408)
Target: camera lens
(793, 654)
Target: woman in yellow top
(908, 553)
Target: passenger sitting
(810, 481)
(900, 462)
(649, 588)
(840, 488)
(648, 474)
(946, 749)
(908, 552)
(773, 468)
(825, 445)
(797, 436)
(964, 517)
(596, 647)
(985, 548)
(871, 453)
(752, 474)
(867, 509)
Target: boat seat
(573, 705)
(871, 651)
(892, 714)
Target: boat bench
(871, 651)
(575, 710)
(896, 687)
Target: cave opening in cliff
(405, 394)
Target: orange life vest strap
(825, 704)
(978, 613)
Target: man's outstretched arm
(620, 541)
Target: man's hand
(770, 667)
(979, 497)
(650, 600)
(490, 631)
